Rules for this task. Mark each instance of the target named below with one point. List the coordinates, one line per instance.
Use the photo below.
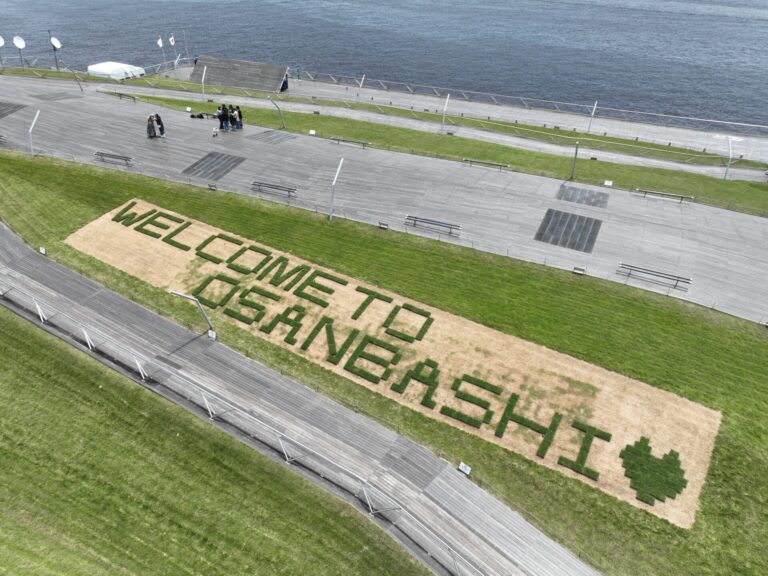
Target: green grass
(738, 195)
(544, 133)
(100, 476)
(710, 358)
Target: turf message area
(643, 445)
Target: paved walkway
(419, 497)
(722, 251)
(751, 147)
(733, 173)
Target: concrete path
(733, 173)
(722, 252)
(751, 147)
(454, 526)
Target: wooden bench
(484, 163)
(356, 142)
(645, 193)
(268, 188)
(675, 281)
(108, 155)
(433, 224)
(129, 96)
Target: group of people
(155, 126)
(229, 118)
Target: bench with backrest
(269, 188)
(118, 157)
(675, 281)
(645, 194)
(484, 163)
(355, 142)
(432, 224)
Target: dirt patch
(453, 370)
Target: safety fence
(534, 103)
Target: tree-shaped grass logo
(653, 478)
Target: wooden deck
(453, 525)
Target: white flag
(171, 41)
(160, 42)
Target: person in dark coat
(160, 125)
(232, 117)
(239, 117)
(151, 127)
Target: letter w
(130, 218)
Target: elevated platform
(241, 73)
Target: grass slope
(708, 357)
(739, 195)
(99, 476)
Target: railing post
(207, 406)
(141, 369)
(43, 317)
(88, 340)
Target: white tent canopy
(115, 70)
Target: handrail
(456, 556)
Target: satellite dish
(18, 41)
(2, 42)
(55, 43)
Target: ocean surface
(703, 58)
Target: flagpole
(172, 42)
(186, 47)
(160, 43)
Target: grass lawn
(100, 476)
(710, 358)
(534, 132)
(739, 195)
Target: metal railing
(376, 501)
(586, 110)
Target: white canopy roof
(115, 70)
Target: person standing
(160, 125)
(239, 117)
(151, 126)
(224, 118)
(232, 118)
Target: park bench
(673, 280)
(128, 96)
(109, 156)
(433, 224)
(645, 193)
(484, 163)
(268, 188)
(355, 142)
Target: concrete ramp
(241, 73)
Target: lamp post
(211, 331)
(730, 158)
(591, 116)
(55, 44)
(445, 108)
(575, 156)
(282, 120)
(18, 41)
(333, 190)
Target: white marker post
(594, 108)
(362, 80)
(445, 108)
(333, 190)
(202, 80)
(32, 127)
